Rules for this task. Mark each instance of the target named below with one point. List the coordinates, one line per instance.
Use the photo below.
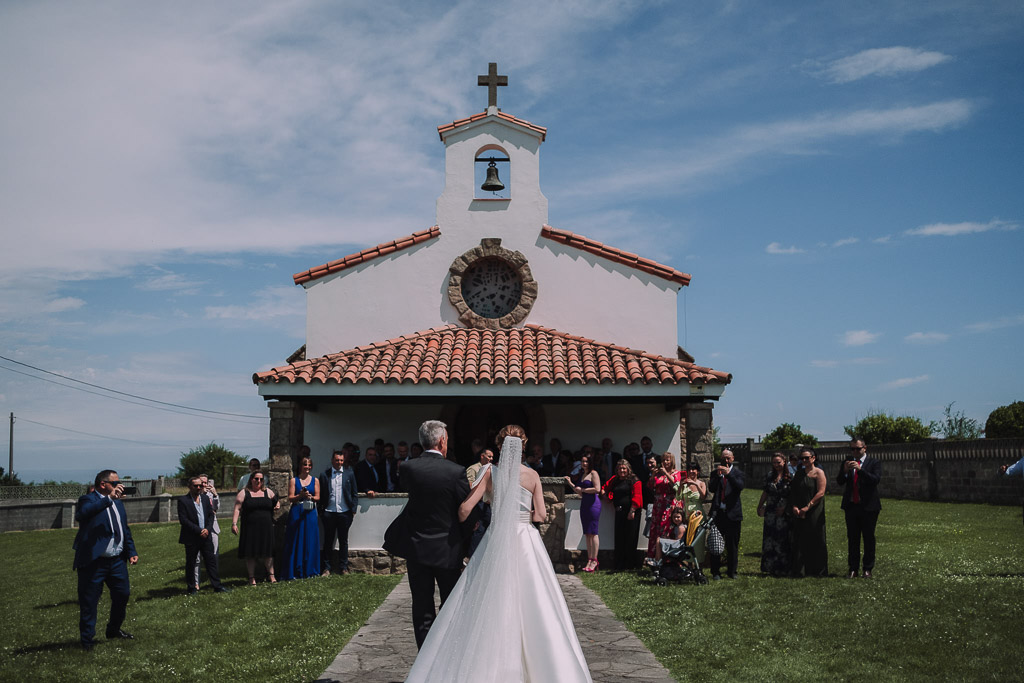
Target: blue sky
(842, 180)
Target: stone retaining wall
(949, 471)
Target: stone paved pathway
(383, 650)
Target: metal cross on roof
(492, 80)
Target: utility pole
(10, 462)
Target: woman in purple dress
(588, 485)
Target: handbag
(308, 505)
(715, 542)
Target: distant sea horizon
(84, 476)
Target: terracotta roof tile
(366, 255)
(448, 127)
(531, 355)
(617, 255)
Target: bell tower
(492, 174)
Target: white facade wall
(405, 292)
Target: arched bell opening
(491, 173)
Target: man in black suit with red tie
(102, 546)
(860, 475)
(725, 487)
(196, 516)
(427, 533)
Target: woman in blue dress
(302, 539)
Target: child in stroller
(678, 557)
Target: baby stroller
(681, 560)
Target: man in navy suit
(102, 545)
(859, 476)
(196, 516)
(427, 533)
(725, 487)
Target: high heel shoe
(272, 579)
(596, 565)
(252, 580)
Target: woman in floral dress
(666, 481)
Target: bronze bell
(492, 183)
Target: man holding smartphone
(860, 475)
(103, 546)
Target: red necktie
(856, 488)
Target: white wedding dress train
(506, 620)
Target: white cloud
(682, 170)
(859, 337)
(885, 239)
(926, 338)
(997, 324)
(884, 61)
(846, 241)
(65, 303)
(967, 228)
(170, 282)
(904, 382)
(776, 248)
(282, 306)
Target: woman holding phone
(666, 480)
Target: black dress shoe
(221, 589)
(88, 647)
(716, 577)
(191, 591)
(124, 635)
(867, 574)
(853, 575)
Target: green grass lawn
(285, 632)
(946, 603)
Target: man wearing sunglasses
(103, 546)
(860, 475)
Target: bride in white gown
(506, 619)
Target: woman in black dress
(256, 504)
(806, 503)
(624, 492)
(775, 544)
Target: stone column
(286, 435)
(696, 436)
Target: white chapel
(491, 316)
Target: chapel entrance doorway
(481, 421)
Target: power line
(124, 400)
(98, 436)
(122, 393)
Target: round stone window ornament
(491, 287)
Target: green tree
(209, 459)
(1006, 421)
(787, 435)
(10, 479)
(879, 427)
(957, 426)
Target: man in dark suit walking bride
(427, 533)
